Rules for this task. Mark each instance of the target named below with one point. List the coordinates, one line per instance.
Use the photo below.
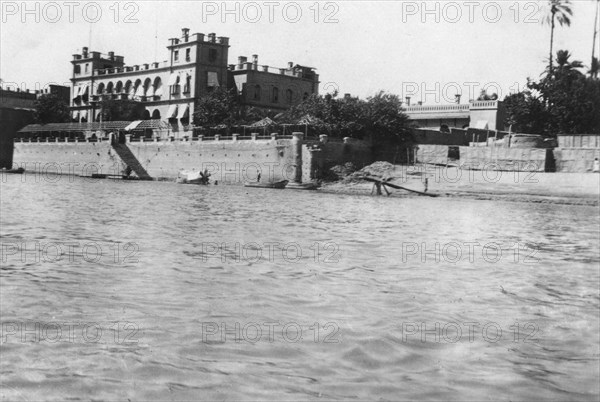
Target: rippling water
(362, 298)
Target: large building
(167, 91)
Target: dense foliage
(563, 101)
(50, 108)
(121, 110)
(379, 116)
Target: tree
(121, 110)
(558, 11)
(564, 101)
(217, 107)
(49, 108)
(379, 116)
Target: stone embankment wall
(230, 161)
(73, 158)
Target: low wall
(579, 141)
(433, 154)
(575, 160)
(75, 158)
(507, 159)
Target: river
(115, 290)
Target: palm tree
(594, 65)
(559, 10)
(594, 68)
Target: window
(175, 86)
(257, 92)
(188, 53)
(275, 95)
(212, 55)
(176, 55)
(187, 85)
(87, 67)
(289, 96)
(77, 69)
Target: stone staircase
(130, 160)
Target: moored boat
(14, 171)
(277, 184)
(193, 177)
(303, 186)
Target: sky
(428, 50)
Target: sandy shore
(558, 188)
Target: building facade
(487, 115)
(16, 111)
(168, 91)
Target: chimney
(241, 61)
(265, 69)
(84, 52)
(290, 65)
(346, 96)
(407, 101)
(255, 61)
(211, 37)
(457, 98)
(185, 33)
(282, 71)
(111, 55)
(420, 103)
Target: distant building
(272, 88)
(61, 91)
(477, 114)
(16, 111)
(168, 90)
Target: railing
(438, 108)
(492, 104)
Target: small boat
(277, 184)
(193, 177)
(303, 186)
(14, 171)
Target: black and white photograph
(300, 200)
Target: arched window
(128, 88)
(138, 88)
(257, 92)
(158, 87)
(275, 95)
(147, 85)
(109, 88)
(100, 90)
(156, 114)
(119, 87)
(146, 115)
(289, 96)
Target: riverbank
(555, 188)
